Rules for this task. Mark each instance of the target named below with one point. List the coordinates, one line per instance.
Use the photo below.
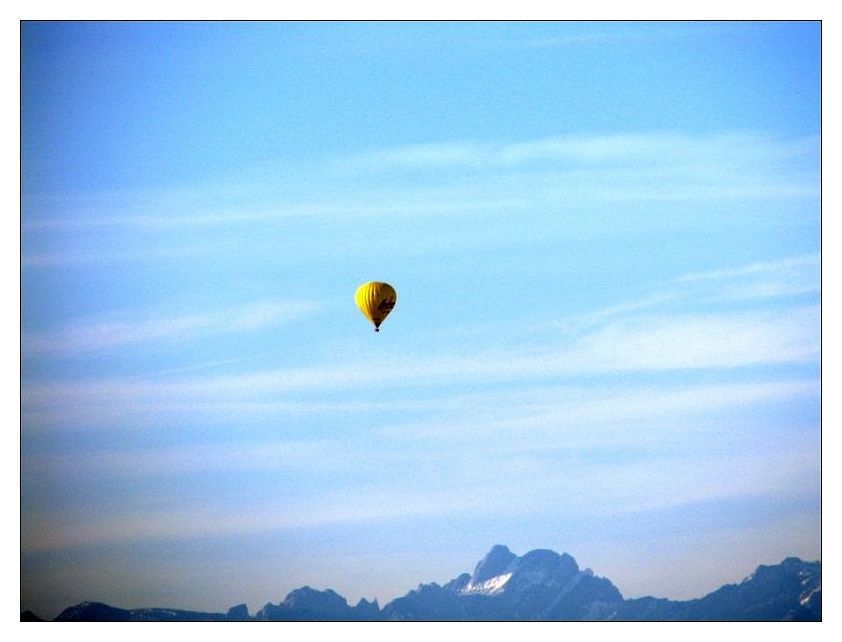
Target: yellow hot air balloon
(376, 300)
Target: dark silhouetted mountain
(239, 613)
(311, 605)
(790, 590)
(93, 612)
(540, 585)
(29, 616)
(365, 610)
(98, 612)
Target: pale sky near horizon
(605, 238)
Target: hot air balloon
(376, 300)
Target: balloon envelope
(376, 300)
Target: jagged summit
(501, 571)
(496, 563)
(540, 585)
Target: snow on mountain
(488, 587)
(540, 585)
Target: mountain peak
(540, 585)
(495, 563)
(309, 599)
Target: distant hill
(541, 585)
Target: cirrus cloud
(116, 330)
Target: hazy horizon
(605, 239)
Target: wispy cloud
(465, 176)
(116, 255)
(580, 417)
(553, 433)
(645, 336)
(291, 454)
(112, 331)
(470, 484)
(746, 284)
(791, 276)
(700, 341)
(647, 150)
(641, 344)
(501, 423)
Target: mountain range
(540, 585)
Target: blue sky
(605, 239)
